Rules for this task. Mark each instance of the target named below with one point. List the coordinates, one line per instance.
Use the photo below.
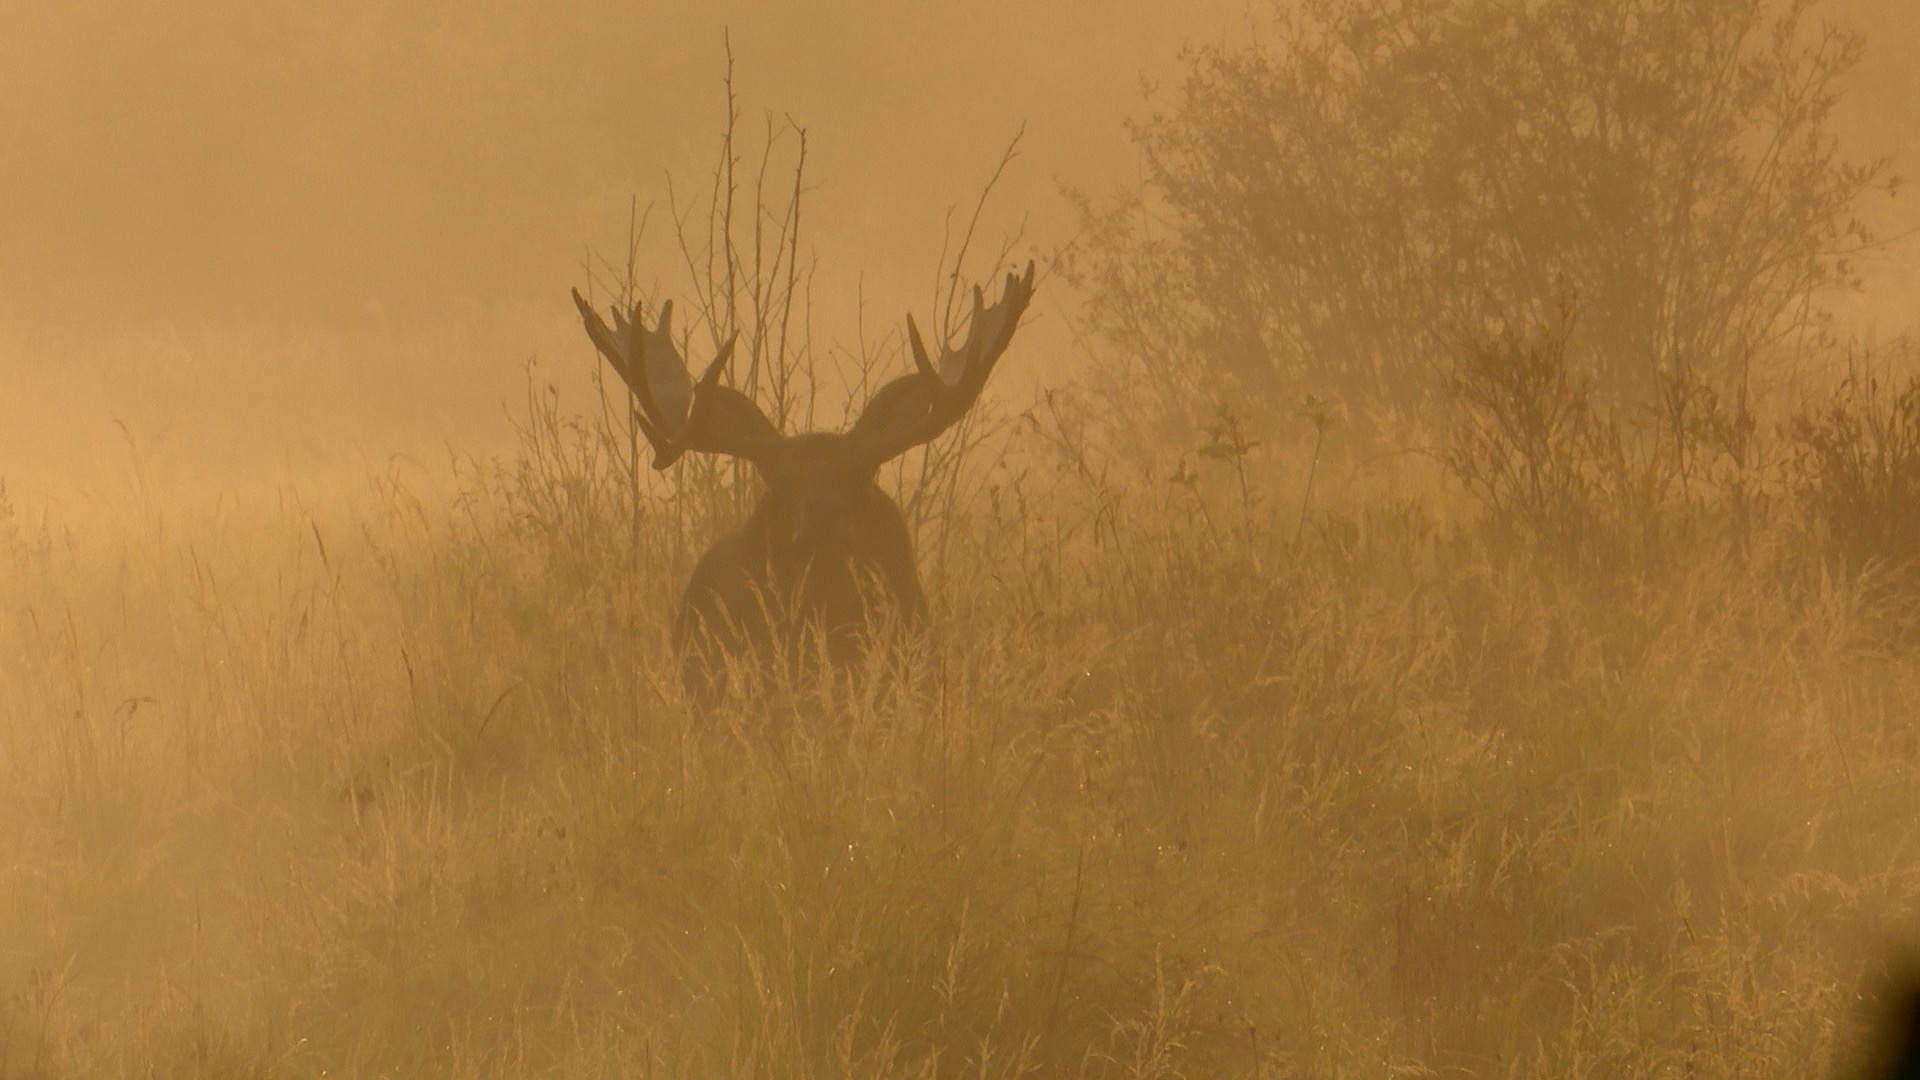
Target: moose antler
(676, 413)
(917, 407)
(825, 550)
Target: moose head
(825, 552)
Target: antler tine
(627, 358)
(637, 359)
(610, 347)
(977, 339)
(689, 437)
(704, 416)
(917, 407)
(722, 420)
(711, 377)
(920, 359)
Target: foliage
(1558, 466)
(1856, 467)
(1527, 442)
(1329, 209)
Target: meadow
(1198, 771)
(1516, 677)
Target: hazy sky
(275, 158)
(267, 227)
(275, 229)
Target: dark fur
(826, 558)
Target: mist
(268, 232)
(1327, 646)
(255, 232)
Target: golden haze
(339, 733)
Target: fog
(270, 232)
(275, 232)
(1568, 746)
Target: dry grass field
(1179, 783)
(1474, 695)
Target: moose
(825, 557)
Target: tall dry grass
(1176, 785)
(1588, 753)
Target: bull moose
(826, 555)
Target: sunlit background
(340, 732)
(250, 240)
(262, 239)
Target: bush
(1856, 469)
(1325, 210)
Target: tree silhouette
(1340, 206)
